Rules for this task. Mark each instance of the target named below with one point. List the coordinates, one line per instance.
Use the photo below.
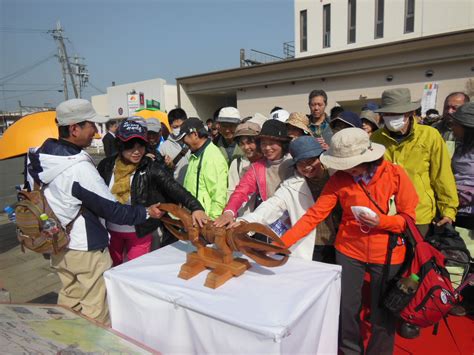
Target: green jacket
(212, 190)
(424, 156)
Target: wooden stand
(223, 266)
(221, 259)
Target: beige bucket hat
(299, 120)
(370, 116)
(351, 147)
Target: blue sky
(127, 41)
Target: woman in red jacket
(363, 180)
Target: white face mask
(176, 131)
(394, 123)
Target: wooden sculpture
(220, 259)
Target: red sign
(142, 99)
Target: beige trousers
(81, 275)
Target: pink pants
(129, 243)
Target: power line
(24, 70)
(17, 96)
(31, 90)
(30, 84)
(96, 88)
(21, 30)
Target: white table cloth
(291, 309)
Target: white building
(354, 50)
(115, 103)
(328, 26)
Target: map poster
(52, 329)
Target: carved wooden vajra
(220, 259)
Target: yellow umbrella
(28, 132)
(159, 115)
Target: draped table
(289, 309)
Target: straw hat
(299, 120)
(351, 147)
(397, 101)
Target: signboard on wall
(153, 104)
(428, 100)
(133, 102)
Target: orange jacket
(389, 180)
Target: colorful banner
(428, 100)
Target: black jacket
(151, 184)
(110, 144)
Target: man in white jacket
(76, 192)
(295, 195)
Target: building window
(351, 21)
(379, 10)
(409, 16)
(326, 26)
(303, 31)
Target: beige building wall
(431, 17)
(352, 91)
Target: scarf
(122, 173)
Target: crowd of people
(298, 173)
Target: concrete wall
(431, 17)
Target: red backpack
(435, 295)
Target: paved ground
(27, 276)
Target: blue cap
(129, 129)
(348, 117)
(305, 147)
(372, 106)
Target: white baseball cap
(75, 111)
(280, 115)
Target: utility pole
(64, 60)
(80, 71)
